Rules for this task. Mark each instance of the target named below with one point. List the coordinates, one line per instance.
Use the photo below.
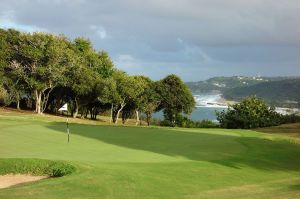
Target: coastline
(213, 100)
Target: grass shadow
(227, 150)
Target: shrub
(167, 123)
(185, 122)
(35, 167)
(61, 169)
(206, 124)
(250, 113)
(292, 118)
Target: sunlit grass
(133, 162)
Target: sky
(195, 39)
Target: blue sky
(195, 39)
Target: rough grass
(285, 129)
(134, 162)
(35, 167)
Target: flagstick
(64, 108)
(68, 132)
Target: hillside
(221, 84)
(275, 92)
(281, 91)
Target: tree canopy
(252, 112)
(42, 71)
(176, 98)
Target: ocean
(200, 113)
(208, 103)
(206, 106)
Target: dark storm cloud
(193, 38)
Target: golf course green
(151, 162)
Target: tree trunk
(94, 113)
(44, 101)
(111, 113)
(76, 108)
(123, 117)
(137, 118)
(86, 112)
(18, 104)
(38, 101)
(117, 117)
(148, 117)
(118, 113)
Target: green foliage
(176, 98)
(48, 70)
(105, 65)
(290, 118)
(149, 99)
(35, 167)
(185, 122)
(128, 87)
(167, 123)
(4, 96)
(60, 169)
(275, 92)
(224, 84)
(127, 93)
(250, 113)
(205, 124)
(188, 123)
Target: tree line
(42, 71)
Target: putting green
(135, 162)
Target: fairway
(139, 162)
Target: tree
(15, 89)
(100, 96)
(11, 82)
(87, 76)
(127, 89)
(176, 98)
(4, 98)
(81, 81)
(4, 50)
(104, 65)
(250, 113)
(50, 70)
(42, 62)
(149, 100)
(135, 104)
(3, 63)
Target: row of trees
(42, 71)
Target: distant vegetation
(275, 92)
(253, 112)
(41, 72)
(221, 84)
(281, 91)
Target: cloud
(193, 38)
(26, 28)
(100, 31)
(7, 21)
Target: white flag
(64, 107)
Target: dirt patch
(14, 179)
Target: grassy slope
(132, 162)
